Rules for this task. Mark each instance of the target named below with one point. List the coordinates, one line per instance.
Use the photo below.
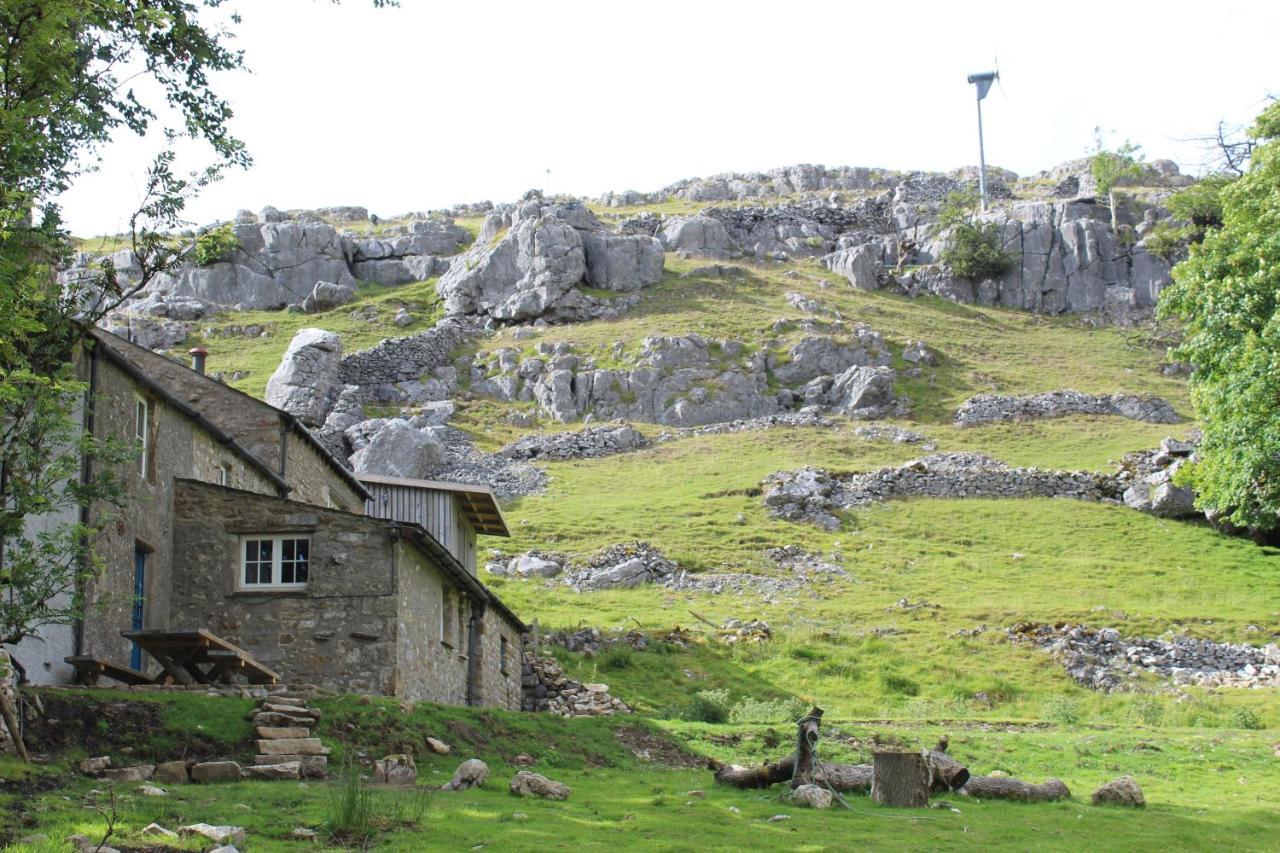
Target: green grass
(257, 358)
(1203, 787)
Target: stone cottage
(239, 522)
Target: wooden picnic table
(199, 657)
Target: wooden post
(900, 779)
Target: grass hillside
(909, 644)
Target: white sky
(447, 101)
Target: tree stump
(806, 743)
(900, 779)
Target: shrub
(615, 658)
(1243, 718)
(973, 249)
(216, 244)
(750, 710)
(708, 706)
(893, 682)
(1147, 710)
(1061, 709)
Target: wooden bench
(89, 669)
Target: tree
(72, 74)
(1227, 294)
(1112, 168)
(974, 249)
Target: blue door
(139, 600)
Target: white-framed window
(224, 475)
(142, 434)
(274, 562)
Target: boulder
(1124, 791)
(438, 746)
(137, 773)
(863, 392)
(1170, 501)
(397, 449)
(526, 784)
(529, 566)
(94, 766)
(917, 352)
(306, 383)
(471, 773)
(861, 265)
(395, 770)
(703, 236)
(326, 296)
(172, 773)
(216, 771)
(288, 746)
(622, 263)
(518, 276)
(158, 831)
(812, 796)
(217, 834)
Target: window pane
(286, 549)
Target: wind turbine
(982, 81)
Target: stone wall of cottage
(178, 448)
(499, 683)
(339, 632)
(369, 619)
(433, 666)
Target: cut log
(900, 779)
(1005, 788)
(945, 773)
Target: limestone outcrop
(306, 383)
(990, 408)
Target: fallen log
(1006, 788)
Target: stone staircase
(283, 725)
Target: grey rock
(394, 448)
(863, 392)
(1170, 501)
(812, 796)
(622, 263)
(136, 773)
(326, 295)
(395, 770)
(1124, 791)
(860, 265)
(529, 566)
(307, 383)
(526, 784)
(589, 443)
(216, 771)
(918, 352)
(472, 773)
(989, 408)
(703, 236)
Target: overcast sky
(437, 103)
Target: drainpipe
(474, 652)
(86, 476)
(284, 445)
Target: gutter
(86, 477)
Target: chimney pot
(198, 355)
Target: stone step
(292, 710)
(311, 766)
(283, 732)
(268, 718)
(280, 699)
(293, 746)
(281, 770)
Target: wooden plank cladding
(452, 513)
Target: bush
(1061, 709)
(1243, 718)
(216, 244)
(615, 658)
(750, 710)
(974, 249)
(1147, 710)
(892, 682)
(708, 706)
